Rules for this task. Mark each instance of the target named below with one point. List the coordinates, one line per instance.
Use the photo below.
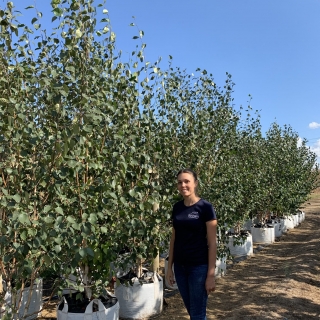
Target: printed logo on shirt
(193, 215)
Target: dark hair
(188, 170)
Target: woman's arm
(212, 254)
(170, 275)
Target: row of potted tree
(90, 145)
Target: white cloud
(314, 125)
(299, 142)
(316, 149)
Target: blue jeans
(191, 283)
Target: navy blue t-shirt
(191, 245)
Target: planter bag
(174, 287)
(263, 235)
(239, 250)
(103, 313)
(35, 303)
(140, 301)
(277, 228)
(283, 225)
(289, 222)
(221, 266)
(295, 220)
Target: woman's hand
(170, 277)
(210, 284)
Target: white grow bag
(295, 219)
(35, 305)
(283, 225)
(262, 235)
(244, 249)
(289, 222)
(140, 301)
(174, 286)
(277, 228)
(103, 313)
(221, 266)
(300, 217)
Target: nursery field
(281, 281)
(90, 147)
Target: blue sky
(270, 47)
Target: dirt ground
(281, 281)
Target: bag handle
(64, 312)
(88, 313)
(65, 305)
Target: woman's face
(186, 184)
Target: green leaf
(93, 218)
(82, 252)
(78, 33)
(76, 226)
(57, 248)
(113, 195)
(71, 219)
(46, 208)
(23, 235)
(23, 218)
(48, 220)
(90, 252)
(58, 240)
(47, 259)
(59, 210)
(58, 12)
(104, 230)
(17, 198)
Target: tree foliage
(90, 145)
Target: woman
(193, 246)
